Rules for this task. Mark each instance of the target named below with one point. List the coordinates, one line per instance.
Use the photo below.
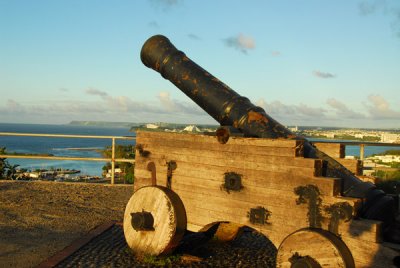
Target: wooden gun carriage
(269, 183)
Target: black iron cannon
(231, 109)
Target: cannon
(252, 172)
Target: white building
(152, 126)
(390, 137)
(191, 128)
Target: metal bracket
(259, 215)
(152, 168)
(171, 167)
(142, 151)
(224, 132)
(233, 182)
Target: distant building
(359, 136)
(117, 172)
(390, 137)
(191, 128)
(330, 135)
(152, 126)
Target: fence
(113, 160)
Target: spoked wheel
(313, 248)
(154, 221)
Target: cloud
(96, 92)
(13, 106)
(323, 74)
(283, 111)
(194, 37)
(153, 24)
(342, 111)
(275, 53)
(387, 8)
(369, 7)
(240, 42)
(165, 5)
(103, 107)
(174, 106)
(379, 108)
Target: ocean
(61, 146)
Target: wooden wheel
(313, 248)
(154, 221)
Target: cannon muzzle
(230, 109)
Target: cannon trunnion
(310, 206)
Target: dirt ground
(38, 219)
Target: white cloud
(164, 108)
(105, 108)
(240, 42)
(342, 111)
(379, 108)
(283, 111)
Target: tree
(7, 171)
(3, 164)
(122, 151)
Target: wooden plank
(281, 204)
(311, 167)
(273, 180)
(370, 254)
(363, 230)
(231, 148)
(254, 193)
(334, 150)
(237, 156)
(291, 143)
(354, 165)
(281, 225)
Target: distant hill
(105, 124)
(134, 126)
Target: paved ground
(250, 249)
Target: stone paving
(251, 249)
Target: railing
(362, 144)
(113, 160)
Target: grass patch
(167, 261)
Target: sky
(306, 62)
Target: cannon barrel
(230, 109)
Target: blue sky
(306, 62)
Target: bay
(60, 146)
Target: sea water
(69, 147)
